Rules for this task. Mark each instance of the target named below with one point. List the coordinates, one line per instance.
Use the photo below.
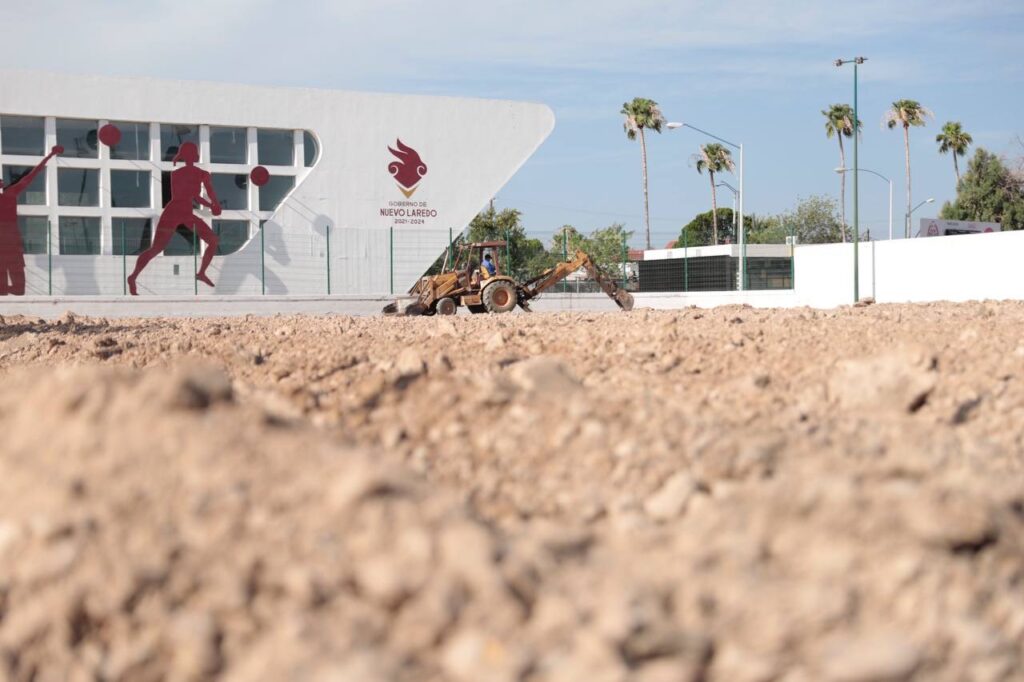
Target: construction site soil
(731, 495)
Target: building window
(78, 137)
(228, 145)
(232, 233)
(129, 189)
(34, 231)
(232, 191)
(78, 187)
(274, 192)
(172, 136)
(276, 147)
(22, 135)
(79, 236)
(311, 150)
(131, 236)
(182, 243)
(35, 193)
(134, 144)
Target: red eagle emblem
(408, 170)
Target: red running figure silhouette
(187, 184)
(12, 250)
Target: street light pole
(735, 200)
(742, 236)
(926, 201)
(856, 61)
(866, 170)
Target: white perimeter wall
(954, 268)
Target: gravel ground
(698, 495)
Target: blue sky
(756, 72)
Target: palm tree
(641, 114)
(839, 122)
(715, 158)
(906, 113)
(954, 139)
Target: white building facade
(362, 192)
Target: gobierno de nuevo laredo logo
(408, 170)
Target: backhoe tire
(446, 306)
(476, 309)
(499, 297)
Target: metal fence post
(195, 262)
(792, 258)
(508, 255)
(327, 229)
(124, 264)
(686, 261)
(451, 248)
(565, 253)
(391, 257)
(625, 259)
(263, 264)
(49, 260)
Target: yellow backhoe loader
(464, 282)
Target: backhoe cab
(464, 282)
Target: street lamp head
(860, 60)
(839, 62)
(930, 200)
(673, 125)
(840, 170)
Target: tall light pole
(926, 201)
(856, 61)
(865, 170)
(743, 240)
(735, 199)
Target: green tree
(565, 241)
(814, 220)
(605, 246)
(701, 230)
(839, 123)
(954, 138)
(642, 114)
(766, 230)
(988, 192)
(528, 256)
(714, 158)
(906, 113)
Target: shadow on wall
(247, 264)
(77, 276)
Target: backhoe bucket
(409, 305)
(624, 299)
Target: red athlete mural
(187, 184)
(12, 251)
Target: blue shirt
(489, 264)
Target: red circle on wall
(259, 176)
(110, 135)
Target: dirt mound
(695, 495)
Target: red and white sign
(933, 227)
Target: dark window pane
(134, 144)
(131, 236)
(233, 234)
(33, 233)
(129, 189)
(79, 236)
(228, 145)
(311, 150)
(78, 137)
(78, 187)
(232, 191)
(276, 147)
(22, 135)
(181, 243)
(173, 136)
(273, 193)
(35, 193)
